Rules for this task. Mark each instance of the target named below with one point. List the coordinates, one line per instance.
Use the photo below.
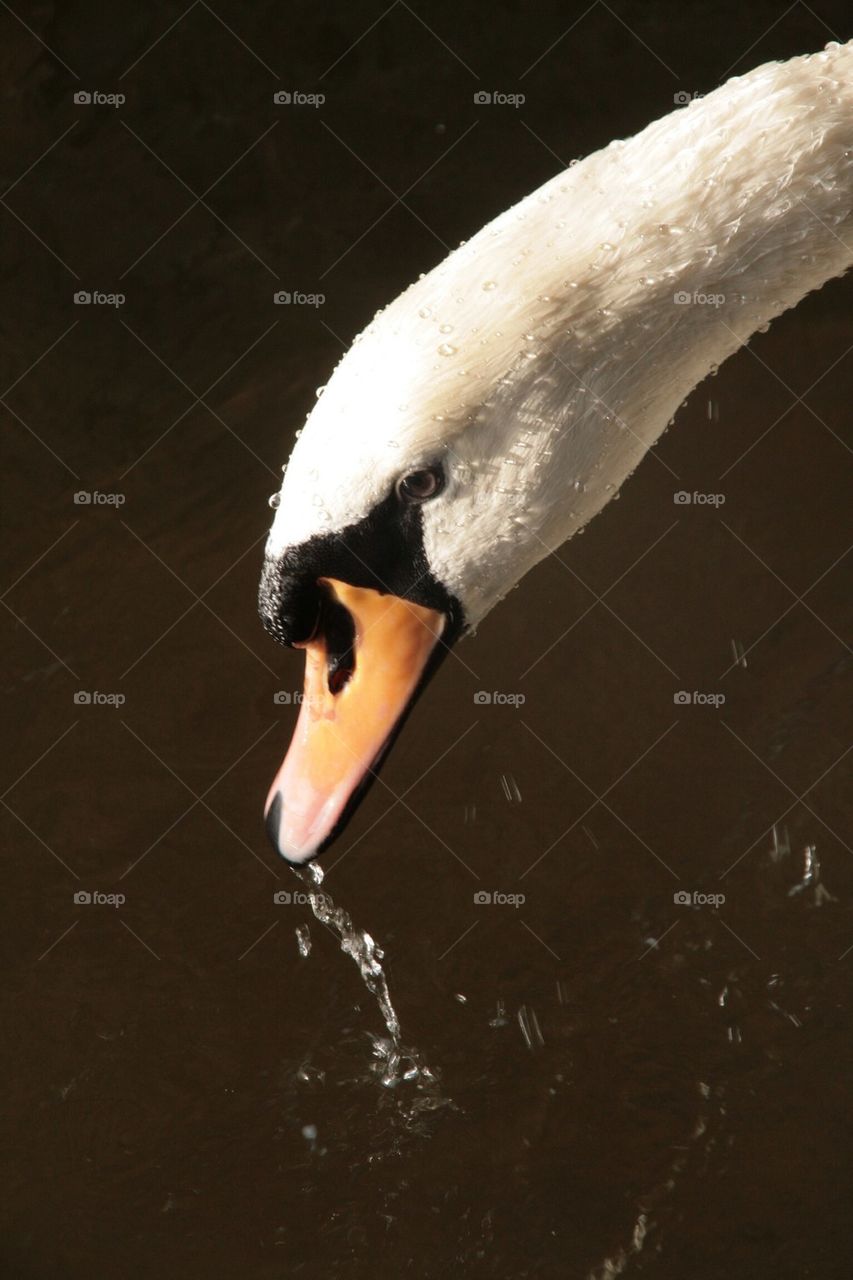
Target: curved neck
(709, 223)
(613, 290)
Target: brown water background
(184, 1095)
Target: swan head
(407, 510)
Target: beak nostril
(339, 677)
(337, 629)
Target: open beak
(369, 658)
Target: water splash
(510, 788)
(811, 879)
(530, 1029)
(395, 1062)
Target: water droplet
(309, 1074)
(275, 501)
(425, 313)
(488, 285)
(447, 349)
(530, 1029)
(500, 1019)
(445, 328)
(510, 788)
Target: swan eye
(418, 486)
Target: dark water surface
(667, 1093)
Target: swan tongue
(343, 730)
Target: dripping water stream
(395, 1062)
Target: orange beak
(354, 702)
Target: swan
(490, 411)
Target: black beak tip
(272, 821)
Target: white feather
(545, 356)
